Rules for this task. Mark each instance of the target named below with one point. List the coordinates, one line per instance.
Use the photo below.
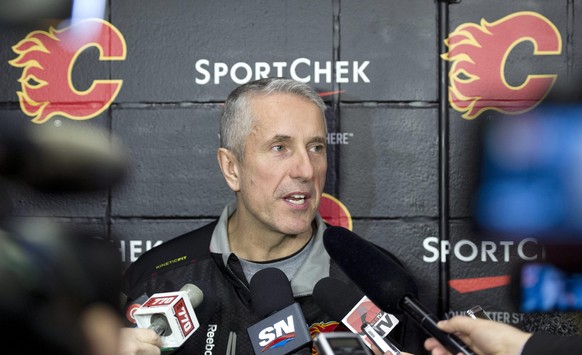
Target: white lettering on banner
(135, 249)
(467, 250)
(338, 138)
(504, 317)
(319, 72)
(210, 339)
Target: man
(273, 156)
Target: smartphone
(477, 312)
(340, 343)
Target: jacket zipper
(237, 278)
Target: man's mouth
(296, 199)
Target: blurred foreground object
(70, 158)
(59, 286)
(62, 283)
(30, 11)
(531, 181)
(531, 187)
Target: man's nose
(302, 166)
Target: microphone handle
(159, 324)
(428, 322)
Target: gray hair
(236, 121)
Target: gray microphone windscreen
(194, 294)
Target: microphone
(283, 329)
(384, 281)
(357, 312)
(171, 315)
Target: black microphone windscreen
(336, 297)
(377, 274)
(270, 291)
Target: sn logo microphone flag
(281, 333)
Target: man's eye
(278, 148)
(318, 148)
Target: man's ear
(229, 167)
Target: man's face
(283, 173)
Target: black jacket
(226, 311)
(544, 343)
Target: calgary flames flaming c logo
(478, 54)
(316, 328)
(334, 212)
(48, 58)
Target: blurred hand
(100, 324)
(139, 341)
(484, 337)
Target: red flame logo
(334, 212)
(48, 58)
(316, 328)
(478, 54)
